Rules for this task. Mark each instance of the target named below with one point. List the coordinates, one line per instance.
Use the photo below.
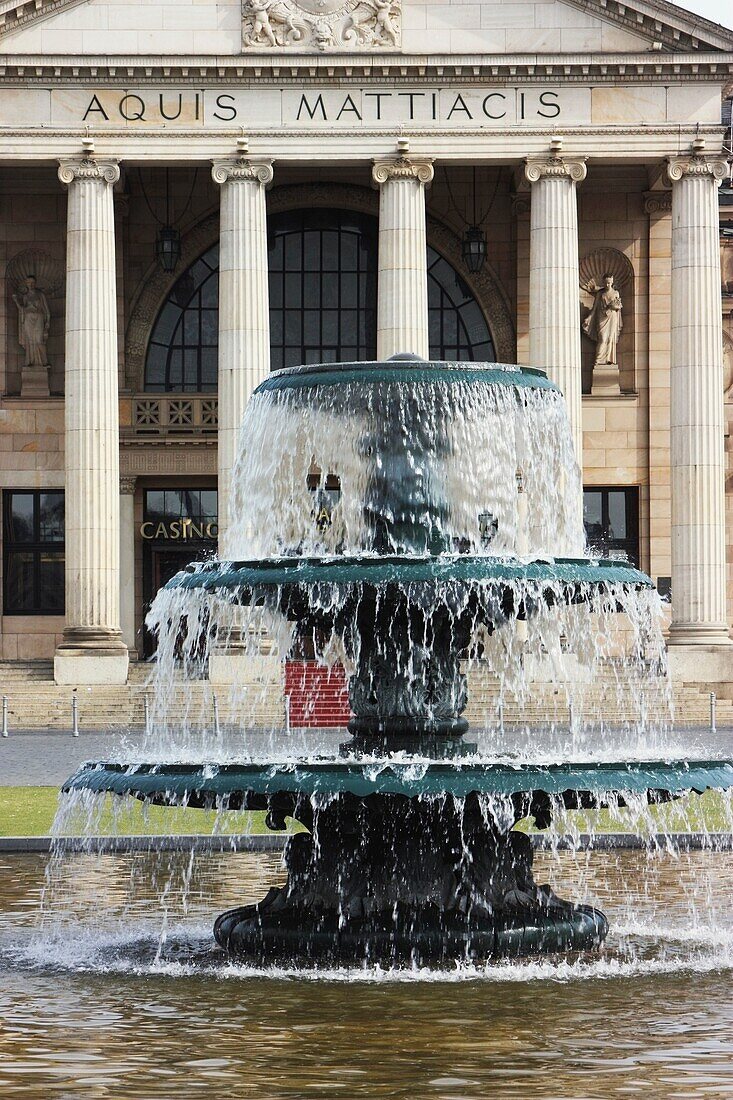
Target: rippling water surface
(121, 994)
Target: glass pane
(51, 517)
(210, 292)
(154, 504)
(293, 252)
(209, 327)
(209, 504)
(592, 507)
(617, 515)
(209, 360)
(21, 518)
(330, 251)
(19, 595)
(312, 251)
(165, 325)
(51, 583)
(293, 291)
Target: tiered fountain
(407, 517)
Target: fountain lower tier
(405, 862)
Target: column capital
(241, 170)
(403, 168)
(657, 202)
(72, 169)
(715, 168)
(555, 167)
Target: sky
(720, 11)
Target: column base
(606, 381)
(698, 663)
(91, 657)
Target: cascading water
(413, 521)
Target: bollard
(74, 715)
(217, 731)
(146, 705)
(501, 715)
(713, 727)
(287, 714)
(5, 716)
(571, 717)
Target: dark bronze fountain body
(410, 852)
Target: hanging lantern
(168, 247)
(473, 248)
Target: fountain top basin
(404, 368)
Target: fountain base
(404, 934)
(389, 879)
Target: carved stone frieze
(321, 24)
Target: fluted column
(696, 405)
(92, 650)
(554, 315)
(244, 309)
(402, 291)
(127, 562)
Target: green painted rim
(410, 371)
(275, 572)
(175, 782)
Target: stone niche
(594, 265)
(48, 273)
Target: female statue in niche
(604, 322)
(34, 317)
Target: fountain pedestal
(390, 878)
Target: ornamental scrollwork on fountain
(321, 24)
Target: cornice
(126, 71)
(673, 28)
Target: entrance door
(164, 563)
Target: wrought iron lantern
(473, 248)
(168, 247)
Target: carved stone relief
(321, 24)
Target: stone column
(127, 562)
(92, 650)
(244, 310)
(697, 413)
(554, 312)
(402, 291)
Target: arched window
(323, 296)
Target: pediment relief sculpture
(321, 24)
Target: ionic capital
(73, 169)
(657, 202)
(402, 168)
(555, 167)
(242, 170)
(714, 168)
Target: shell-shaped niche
(604, 261)
(49, 273)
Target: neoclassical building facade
(194, 194)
